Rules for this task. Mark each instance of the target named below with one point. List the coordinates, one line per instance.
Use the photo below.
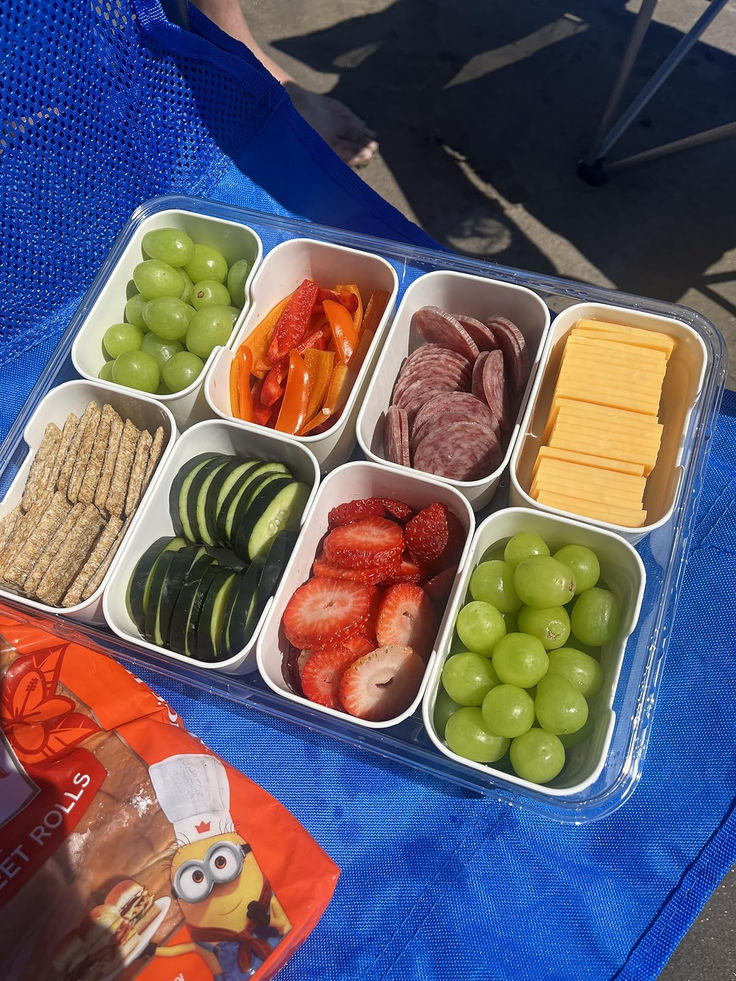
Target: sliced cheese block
(628, 517)
(589, 459)
(632, 335)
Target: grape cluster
(526, 657)
(186, 303)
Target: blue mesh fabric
(104, 105)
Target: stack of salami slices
(456, 396)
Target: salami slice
(480, 333)
(404, 454)
(448, 369)
(495, 389)
(450, 407)
(442, 328)
(392, 434)
(516, 355)
(464, 450)
(476, 382)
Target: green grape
(493, 582)
(520, 659)
(596, 616)
(542, 581)
(580, 669)
(559, 706)
(169, 245)
(572, 739)
(209, 293)
(551, 625)
(134, 310)
(467, 677)
(537, 756)
(120, 338)
(444, 706)
(136, 369)
(106, 371)
(508, 710)
(208, 328)
(480, 627)
(237, 275)
(522, 545)
(160, 350)
(207, 263)
(168, 317)
(187, 286)
(155, 278)
(582, 562)
(181, 370)
(467, 735)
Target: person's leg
(348, 135)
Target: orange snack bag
(129, 850)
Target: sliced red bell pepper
(261, 412)
(259, 338)
(344, 335)
(340, 294)
(293, 410)
(294, 320)
(351, 292)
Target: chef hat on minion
(194, 794)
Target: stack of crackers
(84, 486)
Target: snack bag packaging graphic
(127, 850)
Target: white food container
(73, 396)
(682, 386)
(623, 573)
(349, 482)
(216, 436)
(282, 270)
(233, 239)
(455, 293)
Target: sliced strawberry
(343, 514)
(322, 672)
(326, 609)
(439, 586)
(366, 543)
(406, 615)
(435, 536)
(398, 509)
(382, 684)
(407, 571)
(371, 577)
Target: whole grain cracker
(89, 431)
(67, 466)
(54, 548)
(68, 433)
(105, 546)
(96, 457)
(8, 524)
(111, 455)
(99, 575)
(154, 455)
(115, 502)
(138, 472)
(21, 565)
(70, 558)
(42, 465)
(23, 529)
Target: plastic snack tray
(663, 551)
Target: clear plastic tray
(664, 551)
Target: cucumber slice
(190, 642)
(196, 494)
(152, 624)
(278, 555)
(137, 595)
(181, 613)
(175, 578)
(280, 504)
(178, 492)
(252, 507)
(241, 616)
(220, 486)
(210, 633)
(240, 493)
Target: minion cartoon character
(232, 914)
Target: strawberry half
(406, 616)
(439, 586)
(366, 543)
(435, 536)
(370, 576)
(320, 677)
(398, 509)
(325, 609)
(382, 684)
(343, 514)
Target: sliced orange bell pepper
(320, 365)
(364, 342)
(375, 309)
(260, 337)
(241, 401)
(317, 420)
(339, 388)
(293, 410)
(352, 290)
(344, 335)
